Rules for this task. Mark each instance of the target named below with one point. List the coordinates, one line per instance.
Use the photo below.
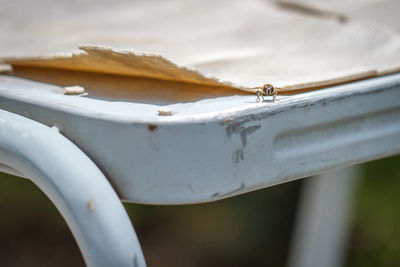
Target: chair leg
(323, 218)
(79, 190)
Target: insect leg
(258, 95)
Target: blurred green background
(249, 230)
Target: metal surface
(218, 147)
(322, 224)
(9, 170)
(75, 185)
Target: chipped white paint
(164, 112)
(55, 128)
(74, 90)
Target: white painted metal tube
(9, 170)
(76, 186)
(322, 223)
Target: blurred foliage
(32, 232)
(375, 238)
(248, 230)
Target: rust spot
(247, 131)
(152, 127)
(90, 205)
(218, 194)
(237, 156)
(215, 194)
